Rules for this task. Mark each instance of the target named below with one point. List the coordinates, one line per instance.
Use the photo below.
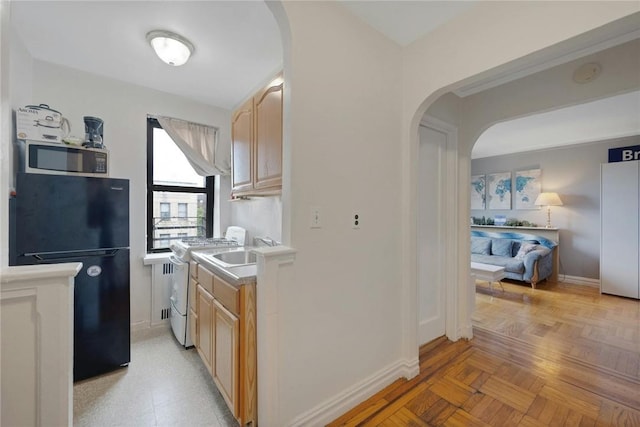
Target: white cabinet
(620, 229)
(36, 347)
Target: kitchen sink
(235, 258)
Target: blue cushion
(480, 245)
(501, 247)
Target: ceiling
(614, 117)
(406, 21)
(238, 49)
(237, 43)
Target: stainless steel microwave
(61, 159)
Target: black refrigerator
(58, 218)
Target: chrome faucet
(268, 241)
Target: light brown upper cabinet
(267, 170)
(256, 138)
(242, 145)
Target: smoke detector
(587, 73)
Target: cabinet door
(204, 327)
(619, 246)
(248, 357)
(193, 327)
(241, 147)
(193, 285)
(226, 348)
(268, 138)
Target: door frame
(448, 267)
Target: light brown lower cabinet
(193, 326)
(191, 315)
(225, 374)
(225, 337)
(204, 326)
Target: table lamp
(548, 200)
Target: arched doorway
(459, 306)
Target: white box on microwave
(38, 125)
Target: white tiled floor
(164, 385)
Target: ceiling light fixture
(172, 48)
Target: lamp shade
(548, 199)
(171, 48)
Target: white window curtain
(199, 143)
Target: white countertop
(157, 258)
(29, 272)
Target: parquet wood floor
(559, 355)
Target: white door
(431, 235)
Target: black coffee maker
(93, 131)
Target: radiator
(161, 276)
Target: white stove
(180, 318)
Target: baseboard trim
(577, 280)
(358, 393)
(138, 326)
(466, 332)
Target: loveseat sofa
(525, 257)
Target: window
(165, 210)
(182, 210)
(164, 239)
(172, 181)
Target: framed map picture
(478, 193)
(499, 190)
(527, 185)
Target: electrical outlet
(315, 219)
(355, 220)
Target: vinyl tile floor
(164, 385)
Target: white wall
(17, 69)
(260, 216)
(348, 304)
(341, 308)
(124, 108)
(448, 109)
(21, 72)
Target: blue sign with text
(624, 154)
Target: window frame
(207, 190)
